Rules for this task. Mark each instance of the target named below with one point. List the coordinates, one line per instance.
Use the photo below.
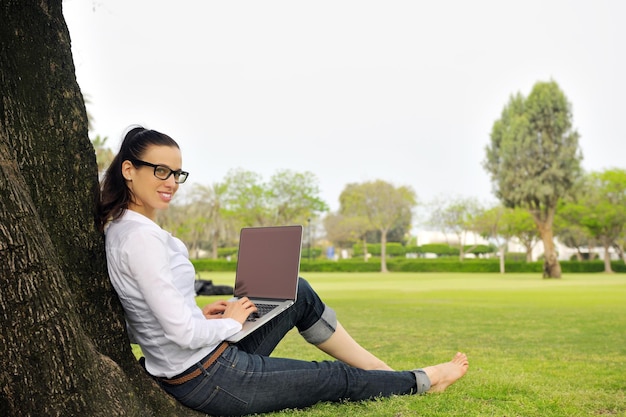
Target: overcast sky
(352, 91)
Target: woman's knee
(321, 321)
(322, 329)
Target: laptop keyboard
(263, 309)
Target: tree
(572, 234)
(197, 218)
(288, 198)
(601, 209)
(294, 197)
(62, 328)
(382, 204)
(534, 159)
(620, 243)
(207, 203)
(456, 217)
(212, 215)
(491, 225)
(502, 224)
(520, 224)
(347, 229)
(245, 198)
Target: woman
(184, 345)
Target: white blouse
(154, 279)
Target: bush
(375, 249)
(413, 249)
(315, 253)
(340, 266)
(479, 249)
(440, 249)
(422, 265)
(229, 251)
(515, 256)
(214, 265)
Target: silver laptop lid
(268, 263)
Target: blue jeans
(245, 380)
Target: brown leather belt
(191, 375)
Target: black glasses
(163, 172)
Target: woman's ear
(127, 170)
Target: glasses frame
(177, 174)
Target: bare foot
(445, 374)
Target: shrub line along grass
(536, 347)
(422, 265)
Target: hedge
(422, 265)
(232, 252)
(440, 249)
(393, 249)
(215, 265)
(229, 251)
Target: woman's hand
(239, 309)
(215, 310)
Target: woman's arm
(148, 259)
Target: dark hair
(115, 194)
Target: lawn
(536, 347)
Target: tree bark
(503, 257)
(365, 257)
(529, 253)
(62, 334)
(461, 246)
(551, 265)
(383, 250)
(579, 255)
(620, 252)
(607, 255)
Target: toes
(460, 358)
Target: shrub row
(421, 265)
(214, 265)
(440, 249)
(393, 249)
(224, 253)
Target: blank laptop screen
(268, 262)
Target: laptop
(268, 267)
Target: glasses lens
(162, 172)
(181, 176)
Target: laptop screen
(268, 262)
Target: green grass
(536, 347)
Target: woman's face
(149, 192)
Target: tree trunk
(529, 253)
(461, 247)
(551, 265)
(502, 257)
(607, 256)
(620, 252)
(579, 255)
(62, 334)
(383, 250)
(214, 245)
(365, 257)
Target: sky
(350, 91)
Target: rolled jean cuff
(322, 329)
(423, 381)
